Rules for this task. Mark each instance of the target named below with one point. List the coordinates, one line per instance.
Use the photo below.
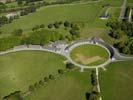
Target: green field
(89, 55)
(88, 13)
(21, 69)
(45, 16)
(71, 86)
(117, 82)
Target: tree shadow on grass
(87, 95)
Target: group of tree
(36, 27)
(44, 81)
(122, 32)
(6, 20)
(94, 94)
(17, 95)
(73, 27)
(94, 78)
(28, 10)
(9, 42)
(17, 32)
(41, 83)
(2, 6)
(39, 35)
(20, 2)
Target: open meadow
(71, 86)
(116, 82)
(21, 69)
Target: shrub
(50, 26)
(42, 26)
(56, 25)
(51, 77)
(61, 71)
(67, 24)
(75, 33)
(17, 95)
(18, 32)
(46, 79)
(69, 66)
(41, 82)
(93, 78)
(31, 88)
(94, 95)
(36, 85)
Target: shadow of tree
(87, 95)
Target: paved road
(65, 49)
(81, 42)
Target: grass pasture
(46, 15)
(116, 82)
(70, 86)
(21, 69)
(89, 55)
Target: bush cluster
(122, 32)
(28, 10)
(5, 20)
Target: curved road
(65, 49)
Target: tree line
(93, 94)
(5, 20)
(28, 10)
(40, 35)
(19, 95)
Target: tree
(69, 66)
(19, 2)
(41, 82)
(61, 71)
(60, 22)
(76, 26)
(35, 28)
(50, 26)
(67, 24)
(9, 42)
(51, 77)
(17, 95)
(36, 85)
(93, 78)
(31, 88)
(126, 50)
(74, 32)
(113, 23)
(2, 6)
(46, 79)
(94, 95)
(18, 32)
(56, 25)
(42, 26)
